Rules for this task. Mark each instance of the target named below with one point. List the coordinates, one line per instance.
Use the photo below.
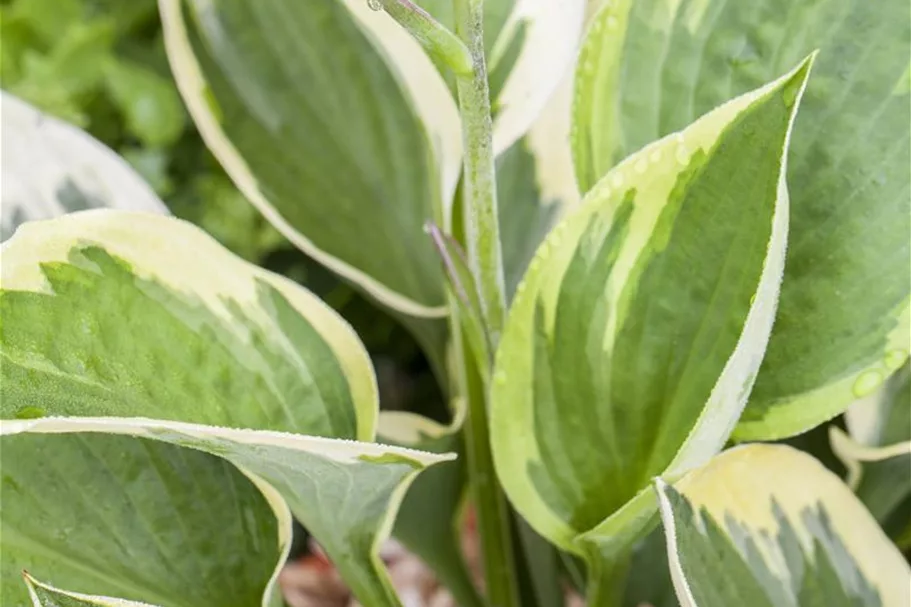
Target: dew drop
(683, 155)
(375, 5)
(867, 382)
(895, 359)
(612, 22)
(655, 156)
(535, 264)
(499, 378)
(641, 166)
(616, 180)
(29, 413)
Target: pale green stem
(482, 240)
(438, 41)
(606, 579)
(482, 230)
(491, 512)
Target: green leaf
(57, 168)
(844, 312)
(136, 519)
(126, 323)
(633, 340)
(769, 526)
(877, 454)
(374, 132)
(150, 103)
(50, 19)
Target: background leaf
(57, 168)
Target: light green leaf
(351, 95)
(633, 340)
(57, 168)
(135, 519)
(142, 325)
(877, 454)
(45, 595)
(769, 526)
(149, 102)
(649, 68)
(50, 19)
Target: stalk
(482, 230)
(482, 240)
(438, 41)
(492, 515)
(464, 54)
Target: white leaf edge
(89, 599)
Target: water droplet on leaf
(867, 382)
(895, 359)
(375, 5)
(683, 155)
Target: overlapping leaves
(844, 322)
(140, 325)
(634, 339)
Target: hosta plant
(640, 241)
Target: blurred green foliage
(101, 65)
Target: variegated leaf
(634, 339)
(333, 122)
(141, 325)
(769, 526)
(844, 323)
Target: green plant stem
(482, 243)
(607, 579)
(482, 231)
(438, 41)
(490, 504)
